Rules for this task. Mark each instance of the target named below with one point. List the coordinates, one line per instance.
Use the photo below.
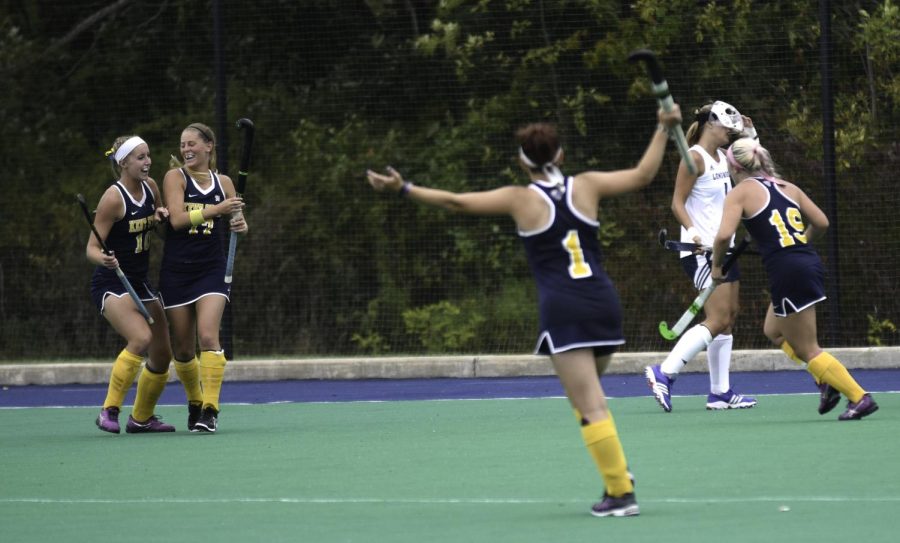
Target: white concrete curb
(409, 367)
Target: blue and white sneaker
(660, 385)
(729, 400)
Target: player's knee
(184, 354)
(807, 352)
(717, 326)
(209, 341)
(139, 342)
(733, 315)
(159, 360)
(771, 331)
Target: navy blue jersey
(795, 272)
(129, 237)
(578, 305)
(778, 227)
(201, 244)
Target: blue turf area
(750, 383)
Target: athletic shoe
(729, 400)
(660, 385)
(863, 408)
(829, 397)
(194, 409)
(208, 420)
(622, 506)
(108, 421)
(152, 425)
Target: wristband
(197, 217)
(751, 132)
(404, 190)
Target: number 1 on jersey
(578, 268)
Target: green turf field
(469, 471)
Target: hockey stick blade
(246, 125)
(687, 316)
(660, 89)
(672, 245)
(649, 59)
(685, 246)
(700, 300)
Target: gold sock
(828, 369)
(212, 369)
(602, 441)
(189, 375)
(124, 370)
(150, 387)
(789, 351)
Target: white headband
(528, 162)
(550, 169)
(126, 148)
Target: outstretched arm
(493, 202)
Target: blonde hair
(746, 154)
(208, 136)
(111, 155)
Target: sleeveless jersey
(567, 265)
(795, 271)
(706, 201)
(201, 244)
(129, 237)
(778, 227)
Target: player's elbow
(642, 176)
(723, 238)
(454, 205)
(457, 203)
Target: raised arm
(607, 184)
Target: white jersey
(706, 202)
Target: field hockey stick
(660, 89)
(125, 283)
(701, 298)
(247, 126)
(673, 245)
